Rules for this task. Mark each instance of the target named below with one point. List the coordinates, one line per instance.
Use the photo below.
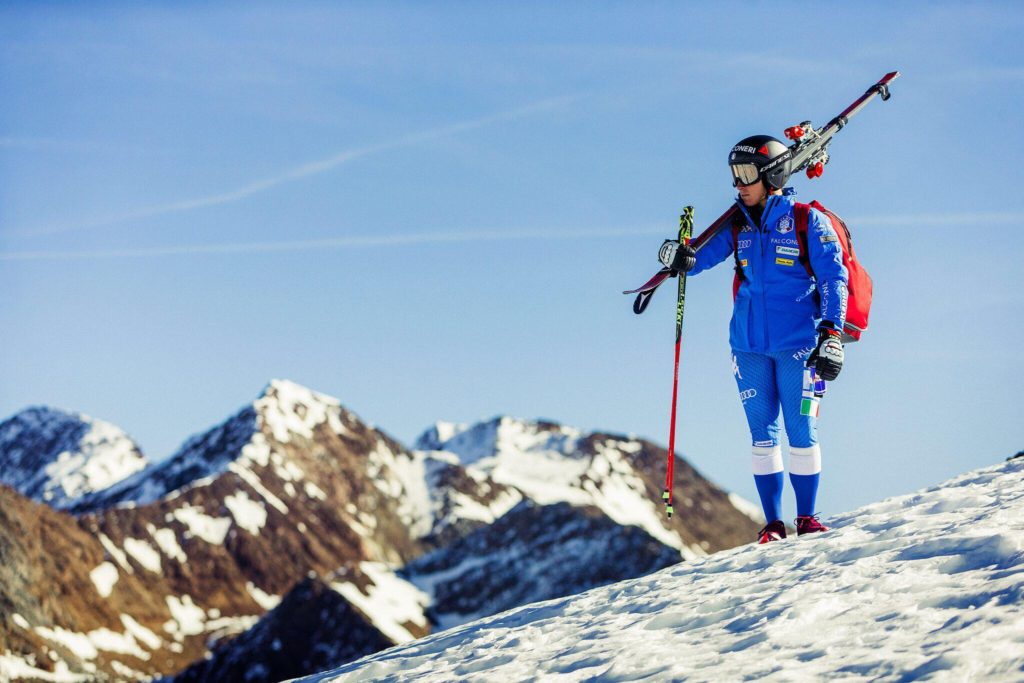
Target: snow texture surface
(923, 586)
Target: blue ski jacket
(779, 305)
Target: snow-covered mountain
(242, 544)
(620, 475)
(520, 515)
(57, 458)
(926, 586)
(197, 548)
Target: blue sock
(769, 488)
(806, 488)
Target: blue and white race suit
(778, 308)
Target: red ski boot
(774, 531)
(809, 525)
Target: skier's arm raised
(714, 252)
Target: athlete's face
(752, 195)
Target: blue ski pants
(767, 382)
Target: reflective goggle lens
(744, 174)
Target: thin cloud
(923, 220)
(84, 146)
(454, 237)
(305, 170)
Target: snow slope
(929, 584)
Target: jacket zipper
(764, 275)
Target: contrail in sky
(459, 237)
(305, 170)
(463, 237)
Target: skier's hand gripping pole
(685, 230)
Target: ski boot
(809, 524)
(773, 531)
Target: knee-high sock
(804, 473)
(768, 477)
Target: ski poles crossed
(685, 231)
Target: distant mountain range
(293, 537)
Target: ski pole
(685, 230)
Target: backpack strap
(737, 224)
(802, 216)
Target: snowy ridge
(929, 584)
(549, 463)
(389, 602)
(283, 412)
(58, 458)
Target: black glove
(827, 357)
(680, 258)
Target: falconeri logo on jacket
(785, 224)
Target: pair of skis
(809, 152)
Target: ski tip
(641, 301)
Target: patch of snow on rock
(145, 554)
(389, 603)
(141, 633)
(249, 514)
(22, 667)
(167, 540)
(78, 643)
(187, 618)
(104, 577)
(201, 525)
(264, 600)
(314, 491)
(250, 478)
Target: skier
(783, 320)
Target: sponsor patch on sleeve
(743, 263)
(825, 239)
(783, 261)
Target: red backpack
(858, 303)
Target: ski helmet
(760, 157)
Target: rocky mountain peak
(285, 409)
(58, 457)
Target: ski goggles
(744, 174)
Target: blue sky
(429, 210)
